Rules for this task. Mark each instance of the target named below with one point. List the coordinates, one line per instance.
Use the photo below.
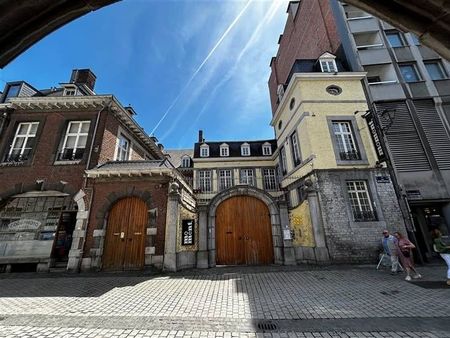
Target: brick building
(70, 161)
(407, 87)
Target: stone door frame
(275, 219)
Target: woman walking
(443, 249)
(404, 247)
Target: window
(247, 177)
(295, 149)
(395, 39)
(71, 91)
(123, 149)
(270, 180)
(23, 142)
(245, 149)
(301, 194)
(328, 66)
(415, 39)
(74, 141)
(360, 201)
(267, 149)
(345, 141)
(204, 181)
(224, 150)
(12, 91)
(186, 162)
(409, 73)
(204, 150)
(435, 70)
(225, 180)
(283, 161)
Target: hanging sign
(187, 232)
(376, 138)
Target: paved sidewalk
(225, 302)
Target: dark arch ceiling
(25, 22)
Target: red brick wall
(104, 192)
(50, 134)
(312, 33)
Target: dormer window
(70, 91)
(204, 150)
(245, 149)
(224, 150)
(328, 63)
(267, 149)
(186, 162)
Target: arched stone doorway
(243, 232)
(125, 235)
(274, 217)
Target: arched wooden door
(243, 232)
(125, 235)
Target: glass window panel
(394, 39)
(23, 128)
(82, 142)
(73, 128)
(85, 127)
(33, 128)
(70, 143)
(409, 73)
(435, 71)
(19, 142)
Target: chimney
(200, 136)
(83, 76)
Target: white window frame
(204, 150)
(121, 150)
(224, 150)
(342, 133)
(204, 181)
(360, 200)
(328, 65)
(267, 150)
(28, 135)
(245, 149)
(77, 134)
(70, 91)
(185, 162)
(225, 179)
(247, 176)
(270, 178)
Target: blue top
(389, 244)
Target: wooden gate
(125, 235)
(243, 232)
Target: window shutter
(435, 132)
(404, 141)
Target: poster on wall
(187, 232)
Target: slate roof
(134, 165)
(235, 148)
(177, 154)
(312, 66)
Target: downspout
(84, 187)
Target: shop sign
(376, 138)
(187, 232)
(24, 224)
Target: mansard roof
(235, 148)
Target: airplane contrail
(202, 64)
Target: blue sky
(182, 65)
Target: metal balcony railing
(353, 155)
(19, 156)
(70, 154)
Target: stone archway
(275, 219)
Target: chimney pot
(200, 136)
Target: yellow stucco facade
(307, 108)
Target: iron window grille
(360, 201)
(23, 142)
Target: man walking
(390, 248)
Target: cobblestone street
(226, 302)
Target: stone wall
(349, 241)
